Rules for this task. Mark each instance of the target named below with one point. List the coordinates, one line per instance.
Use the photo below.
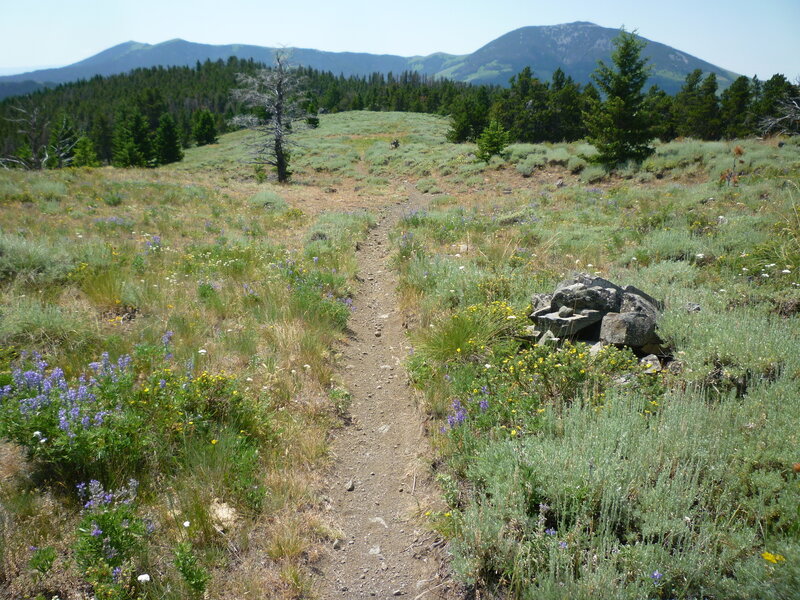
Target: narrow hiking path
(380, 486)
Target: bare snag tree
(275, 95)
(42, 146)
(787, 119)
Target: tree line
(148, 116)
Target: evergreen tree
(167, 144)
(468, 116)
(151, 104)
(61, 147)
(85, 156)
(660, 105)
(523, 108)
(132, 146)
(686, 103)
(619, 126)
(705, 118)
(737, 121)
(565, 123)
(492, 141)
(102, 136)
(774, 90)
(204, 130)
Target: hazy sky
(752, 37)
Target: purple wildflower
(562, 545)
(550, 531)
(484, 405)
(656, 576)
(167, 337)
(96, 531)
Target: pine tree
(705, 118)
(167, 143)
(468, 116)
(735, 110)
(774, 90)
(85, 156)
(660, 105)
(685, 104)
(564, 109)
(204, 130)
(102, 135)
(493, 140)
(132, 147)
(620, 127)
(61, 147)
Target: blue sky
(748, 37)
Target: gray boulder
(568, 324)
(579, 296)
(634, 329)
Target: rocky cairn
(593, 309)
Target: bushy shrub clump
(120, 418)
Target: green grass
(564, 479)
(566, 474)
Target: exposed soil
(380, 485)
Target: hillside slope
(573, 47)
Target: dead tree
(275, 94)
(787, 119)
(38, 150)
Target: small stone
(377, 334)
(397, 593)
(596, 349)
(337, 544)
(651, 363)
(350, 486)
(565, 311)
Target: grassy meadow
(168, 354)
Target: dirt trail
(379, 486)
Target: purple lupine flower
(484, 389)
(656, 576)
(550, 531)
(96, 531)
(562, 545)
(63, 423)
(484, 405)
(167, 337)
(115, 573)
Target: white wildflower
(144, 578)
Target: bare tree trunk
(276, 92)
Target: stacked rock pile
(593, 309)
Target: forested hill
(93, 106)
(574, 48)
(531, 109)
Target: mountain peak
(573, 47)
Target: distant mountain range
(574, 47)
